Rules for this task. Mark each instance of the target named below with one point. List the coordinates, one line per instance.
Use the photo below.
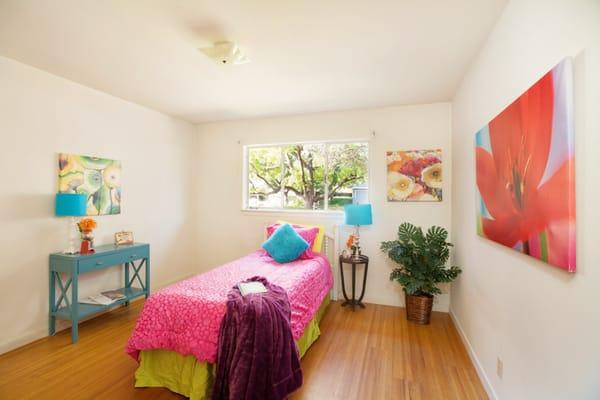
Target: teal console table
(72, 265)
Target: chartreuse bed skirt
(194, 379)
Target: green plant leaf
(420, 258)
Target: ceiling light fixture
(225, 53)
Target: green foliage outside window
(306, 176)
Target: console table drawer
(92, 263)
(95, 262)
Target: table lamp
(71, 205)
(357, 215)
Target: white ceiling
(307, 55)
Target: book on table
(251, 287)
(105, 298)
(97, 299)
(114, 294)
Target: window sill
(281, 212)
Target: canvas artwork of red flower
(525, 165)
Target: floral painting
(526, 172)
(98, 178)
(414, 175)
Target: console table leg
(51, 304)
(74, 308)
(127, 282)
(147, 277)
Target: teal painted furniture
(72, 265)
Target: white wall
(41, 115)
(227, 233)
(542, 322)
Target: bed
(176, 335)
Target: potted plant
(421, 259)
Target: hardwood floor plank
(371, 353)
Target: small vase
(89, 236)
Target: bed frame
(330, 251)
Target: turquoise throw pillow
(285, 244)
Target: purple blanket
(257, 356)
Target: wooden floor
(367, 354)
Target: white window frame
(282, 209)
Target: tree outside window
(306, 176)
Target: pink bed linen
(185, 317)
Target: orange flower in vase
(352, 244)
(86, 227)
(350, 241)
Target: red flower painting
(414, 175)
(525, 172)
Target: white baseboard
(480, 371)
(22, 340)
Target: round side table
(354, 261)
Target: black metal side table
(354, 261)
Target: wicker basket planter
(418, 308)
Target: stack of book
(105, 298)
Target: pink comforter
(185, 317)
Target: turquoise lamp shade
(358, 214)
(70, 205)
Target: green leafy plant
(421, 259)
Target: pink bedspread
(185, 317)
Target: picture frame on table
(123, 238)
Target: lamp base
(357, 254)
(72, 249)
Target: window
(309, 176)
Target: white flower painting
(414, 175)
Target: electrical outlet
(499, 367)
